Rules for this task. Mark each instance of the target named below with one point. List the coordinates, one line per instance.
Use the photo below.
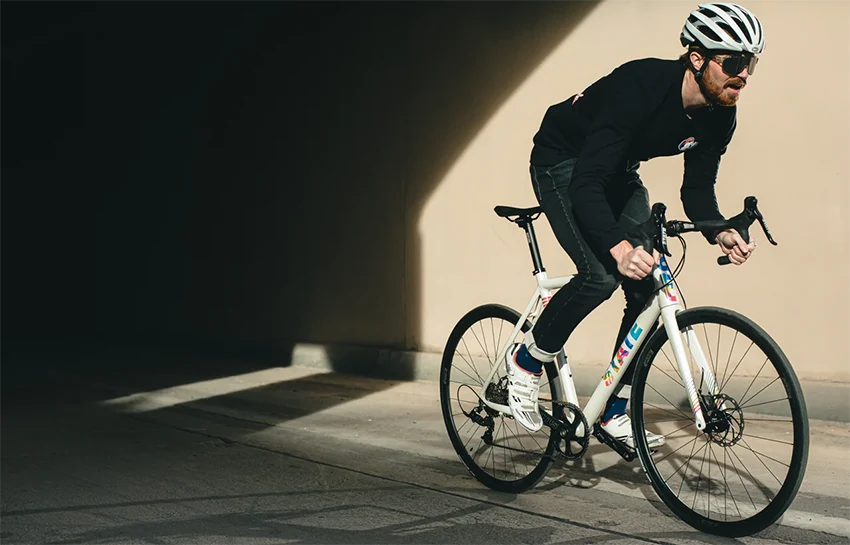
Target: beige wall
(335, 184)
(790, 150)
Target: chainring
(570, 425)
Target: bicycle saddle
(507, 211)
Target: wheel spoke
(472, 365)
(699, 476)
(533, 438)
(483, 348)
(671, 378)
(505, 442)
(493, 332)
(687, 464)
(672, 365)
(738, 365)
(517, 434)
(459, 353)
(729, 358)
(719, 328)
(513, 459)
(668, 401)
(708, 500)
(683, 415)
(490, 450)
(760, 391)
(726, 489)
(484, 336)
(471, 435)
(741, 478)
(764, 403)
(499, 342)
(669, 420)
(478, 383)
(690, 456)
(710, 355)
(460, 401)
(760, 455)
(769, 439)
(672, 433)
(744, 395)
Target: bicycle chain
(566, 431)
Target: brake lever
(767, 232)
(659, 214)
(746, 218)
(751, 207)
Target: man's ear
(697, 60)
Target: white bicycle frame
(664, 304)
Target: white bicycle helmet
(726, 27)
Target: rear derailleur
(566, 422)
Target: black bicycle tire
(542, 468)
(799, 457)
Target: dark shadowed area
(231, 178)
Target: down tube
(633, 341)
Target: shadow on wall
(240, 177)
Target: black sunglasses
(733, 65)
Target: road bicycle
(711, 381)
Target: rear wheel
(497, 450)
(740, 474)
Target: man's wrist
(621, 248)
(720, 232)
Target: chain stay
(566, 432)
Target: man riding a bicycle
(584, 173)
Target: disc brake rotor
(725, 420)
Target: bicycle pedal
(628, 454)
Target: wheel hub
(724, 420)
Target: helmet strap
(698, 78)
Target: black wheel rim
(740, 474)
(509, 456)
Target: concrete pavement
(298, 455)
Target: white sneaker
(523, 389)
(620, 428)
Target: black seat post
(526, 223)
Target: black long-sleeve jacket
(632, 115)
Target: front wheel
(740, 474)
(497, 450)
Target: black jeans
(597, 277)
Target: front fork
(669, 317)
(669, 309)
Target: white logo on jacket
(688, 143)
